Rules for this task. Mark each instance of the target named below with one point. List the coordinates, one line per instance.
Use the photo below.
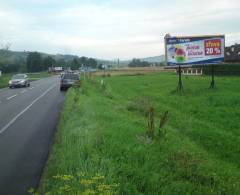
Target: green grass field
(4, 79)
(38, 75)
(100, 146)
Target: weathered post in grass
(89, 74)
(150, 131)
(163, 120)
(212, 85)
(180, 85)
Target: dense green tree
(34, 62)
(8, 68)
(226, 69)
(75, 64)
(83, 61)
(48, 62)
(138, 63)
(61, 62)
(92, 63)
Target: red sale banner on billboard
(213, 47)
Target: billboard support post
(193, 51)
(180, 85)
(212, 85)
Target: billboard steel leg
(180, 85)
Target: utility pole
(165, 46)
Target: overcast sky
(111, 29)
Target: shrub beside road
(4, 80)
(101, 145)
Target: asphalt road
(28, 119)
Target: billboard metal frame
(181, 40)
(182, 65)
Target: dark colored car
(68, 80)
(19, 80)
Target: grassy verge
(38, 75)
(4, 79)
(100, 147)
(130, 71)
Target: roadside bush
(226, 69)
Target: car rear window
(71, 76)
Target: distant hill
(13, 56)
(8, 56)
(155, 59)
(151, 60)
(66, 57)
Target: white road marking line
(23, 91)
(27, 108)
(31, 87)
(11, 97)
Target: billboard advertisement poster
(198, 50)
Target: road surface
(28, 119)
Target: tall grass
(199, 154)
(4, 79)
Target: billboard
(192, 50)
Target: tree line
(226, 69)
(140, 63)
(36, 62)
